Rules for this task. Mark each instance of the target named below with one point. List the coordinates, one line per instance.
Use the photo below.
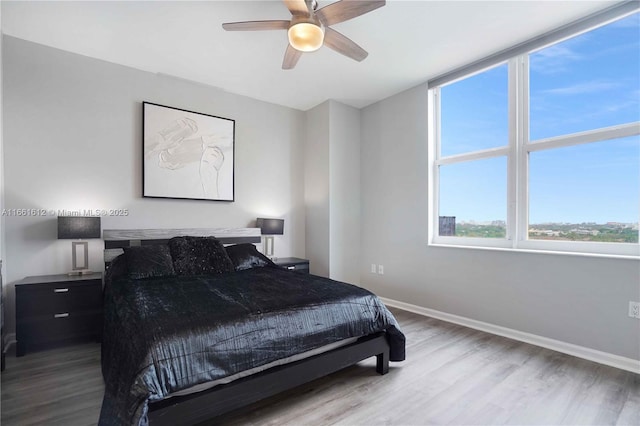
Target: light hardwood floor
(453, 375)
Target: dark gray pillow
(199, 255)
(247, 256)
(117, 269)
(148, 261)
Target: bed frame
(201, 406)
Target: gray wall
(72, 140)
(332, 191)
(580, 300)
(1, 154)
(316, 189)
(2, 308)
(344, 183)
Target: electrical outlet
(381, 269)
(373, 268)
(634, 309)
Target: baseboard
(600, 357)
(9, 340)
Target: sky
(584, 83)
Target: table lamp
(269, 227)
(79, 228)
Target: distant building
(546, 232)
(447, 226)
(585, 231)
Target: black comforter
(167, 334)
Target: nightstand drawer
(301, 267)
(294, 264)
(45, 300)
(67, 325)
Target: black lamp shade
(270, 226)
(78, 227)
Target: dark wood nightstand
(293, 264)
(51, 309)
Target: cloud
(581, 88)
(554, 59)
(615, 49)
(558, 51)
(621, 106)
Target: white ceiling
(408, 42)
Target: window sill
(536, 251)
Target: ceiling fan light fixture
(310, 28)
(306, 36)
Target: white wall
(580, 300)
(344, 183)
(73, 129)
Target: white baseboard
(9, 339)
(605, 358)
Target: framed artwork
(187, 154)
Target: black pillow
(148, 261)
(199, 255)
(247, 256)
(117, 269)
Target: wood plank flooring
(453, 376)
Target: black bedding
(165, 334)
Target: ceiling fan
(309, 29)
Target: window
(542, 149)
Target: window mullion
(438, 135)
(472, 156)
(596, 135)
(512, 164)
(522, 178)
(434, 155)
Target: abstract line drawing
(187, 154)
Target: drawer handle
(291, 267)
(66, 314)
(61, 290)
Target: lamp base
(267, 249)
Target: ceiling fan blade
(297, 7)
(341, 44)
(256, 25)
(291, 57)
(344, 10)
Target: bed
(187, 339)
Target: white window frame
(437, 160)
(517, 153)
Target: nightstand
(51, 309)
(293, 264)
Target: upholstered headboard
(116, 239)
